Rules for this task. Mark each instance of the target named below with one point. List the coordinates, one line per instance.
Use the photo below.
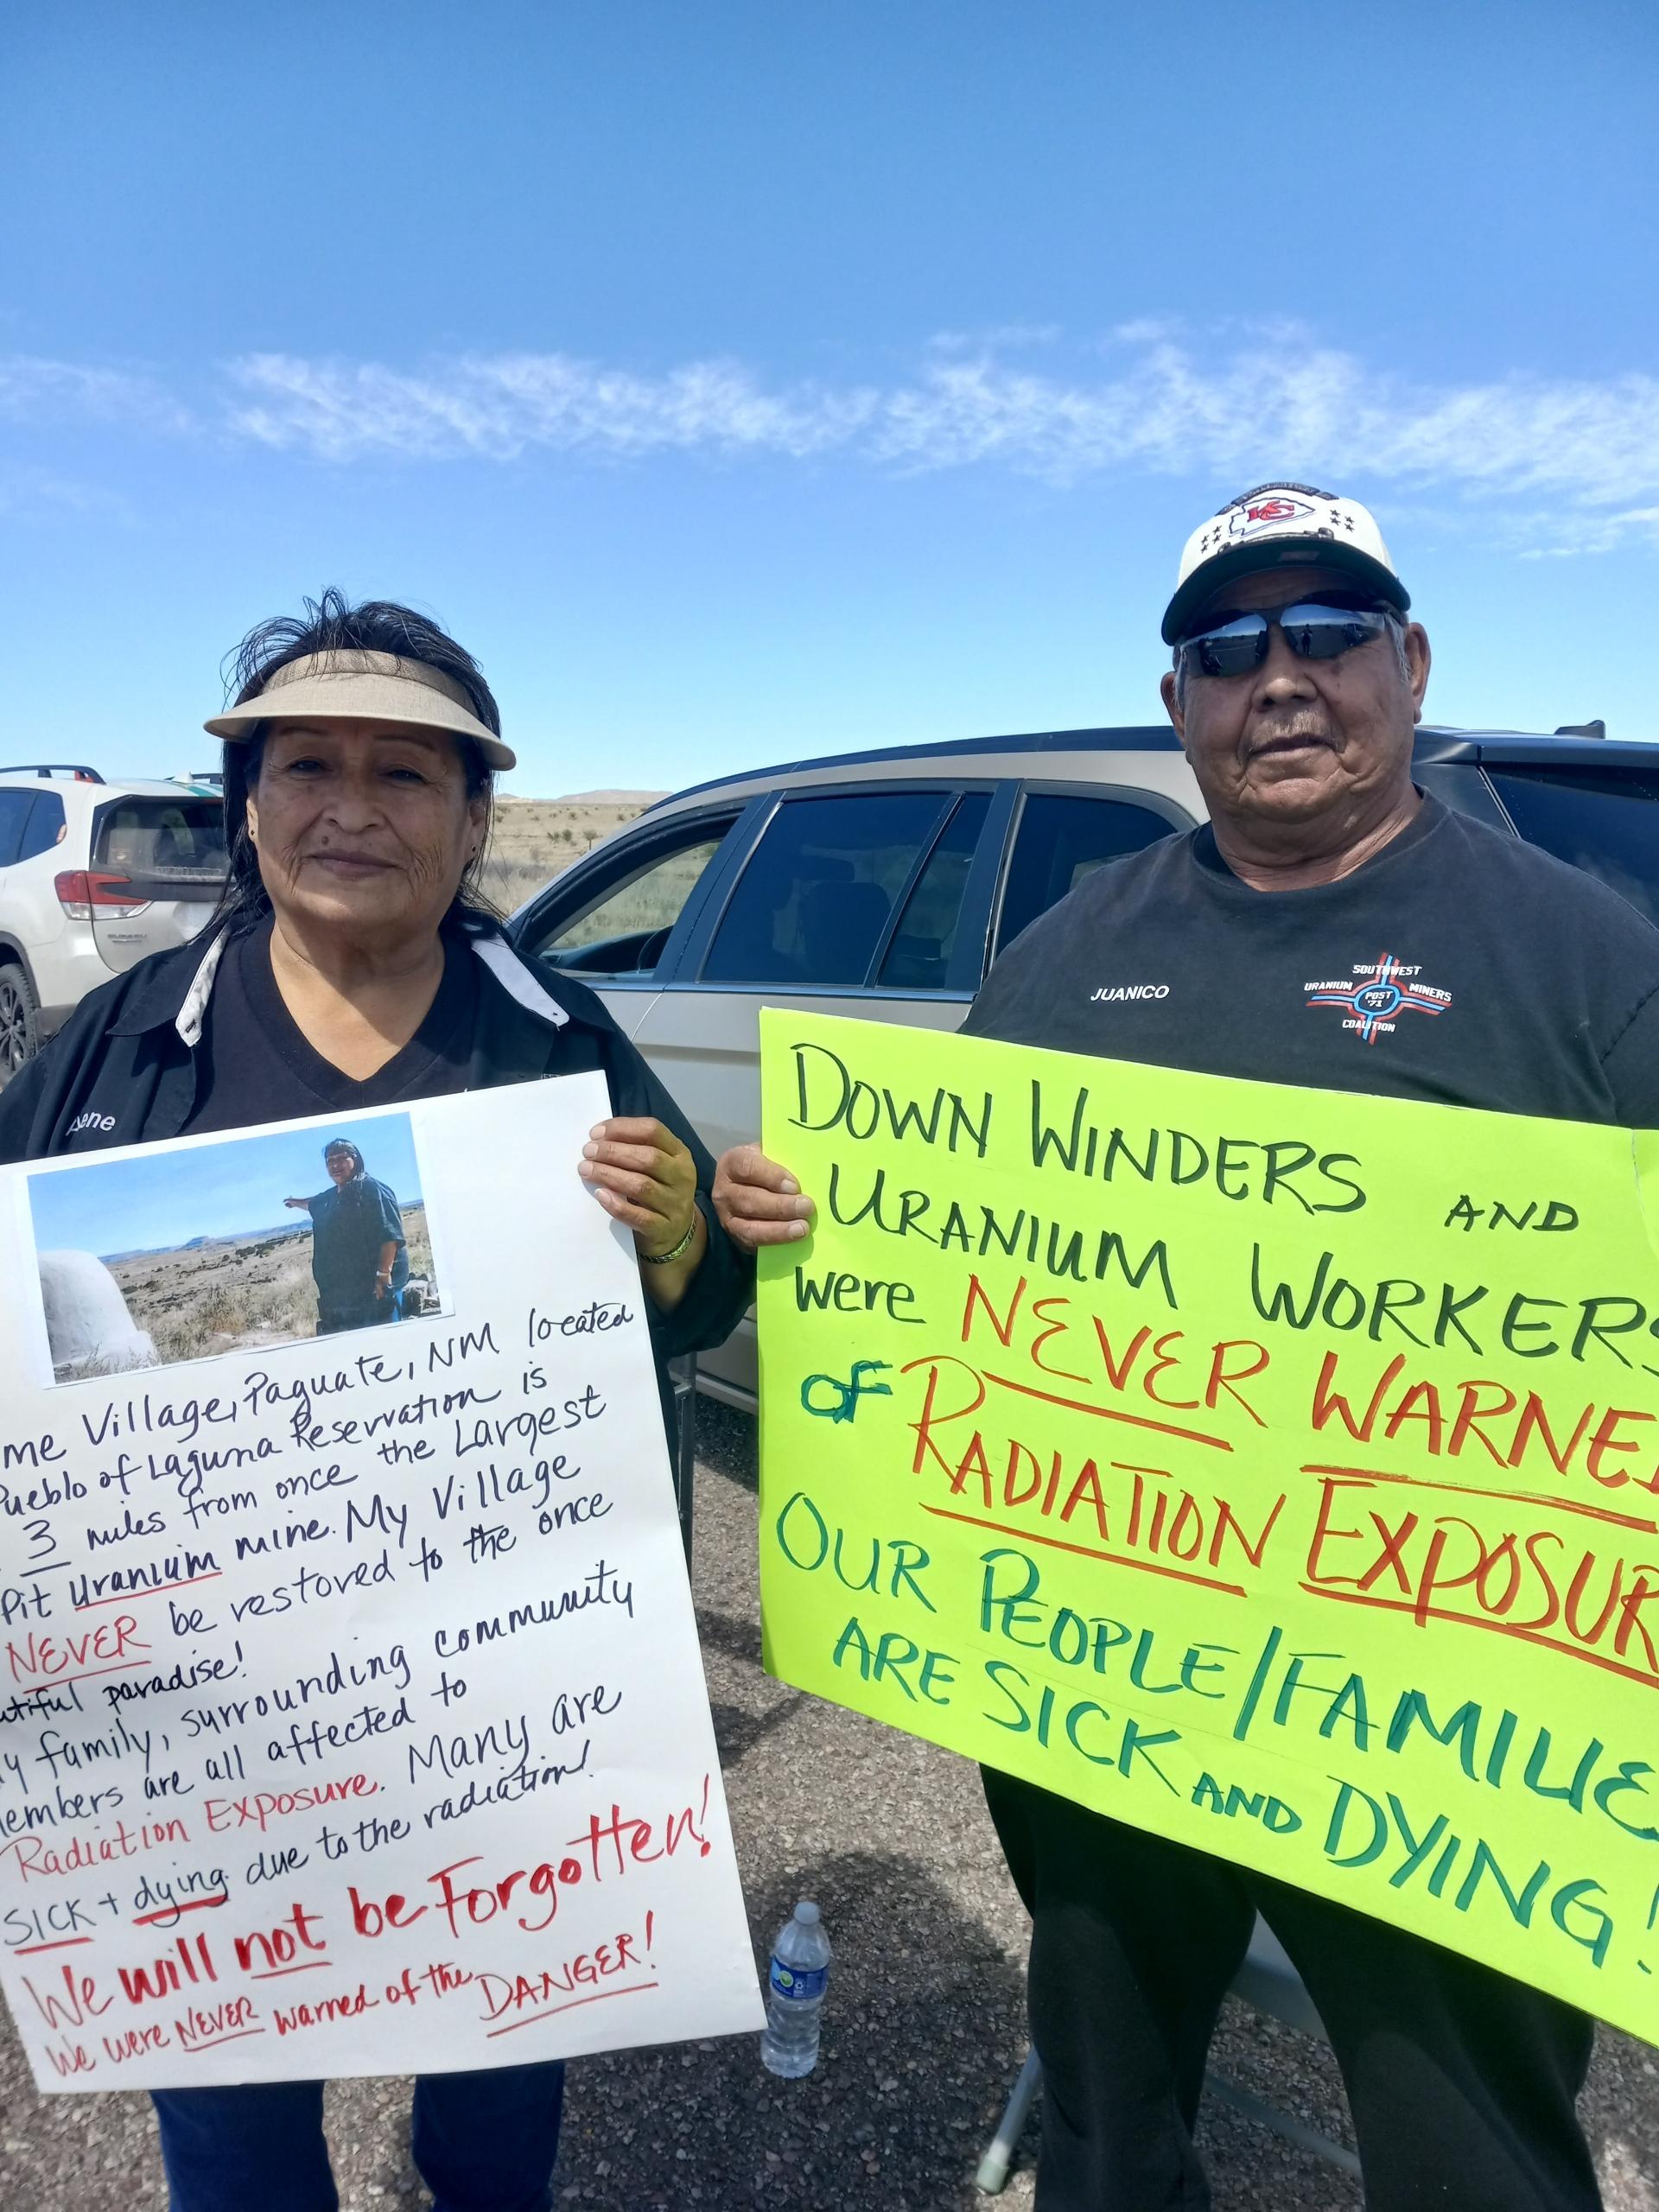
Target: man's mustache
(1301, 731)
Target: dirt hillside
(536, 839)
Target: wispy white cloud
(500, 405)
(27, 492)
(1145, 330)
(1002, 338)
(1293, 406)
(1564, 464)
(32, 388)
(1557, 535)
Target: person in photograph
(360, 1260)
(1297, 683)
(352, 962)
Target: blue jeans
(483, 2142)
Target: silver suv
(93, 876)
(883, 884)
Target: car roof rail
(1582, 729)
(70, 768)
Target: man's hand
(759, 1202)
(643, 1177)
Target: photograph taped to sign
(185, 1251)
(351, 1717)
(1275, 1469)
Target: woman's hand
(758, 1201)
(645, 1178)
(304, 1203)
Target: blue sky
(745, 380)
(161, 1201)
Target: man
(360, 1260)
(1330, 925)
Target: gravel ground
(923, 2033)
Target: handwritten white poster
(351, 1719)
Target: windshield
(181, 837)
(1605, 821)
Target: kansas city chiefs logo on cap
(1267, 513)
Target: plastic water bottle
(795, 1987)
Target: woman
(360, 1260)
(350, 964)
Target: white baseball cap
(1276, 525)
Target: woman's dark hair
(331, 624)
(344, 1144)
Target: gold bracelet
(667, 1259)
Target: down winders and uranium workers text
(1275, 1469)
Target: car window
(1605, 821)
(918, 957)
(44, 828)
(1061, 838)
(14, 812)
(627, 912)
(183, 837)
(815, 899)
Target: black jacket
(125, 1066)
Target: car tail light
(84, 892)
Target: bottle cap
(807, 1913)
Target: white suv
(93, 876)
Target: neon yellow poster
(1275, 1469)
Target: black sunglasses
(1314, 629)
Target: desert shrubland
(536, 839)
(238, 1294)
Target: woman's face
(362, 829)
(342, 1165)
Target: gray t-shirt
(1458, 965)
